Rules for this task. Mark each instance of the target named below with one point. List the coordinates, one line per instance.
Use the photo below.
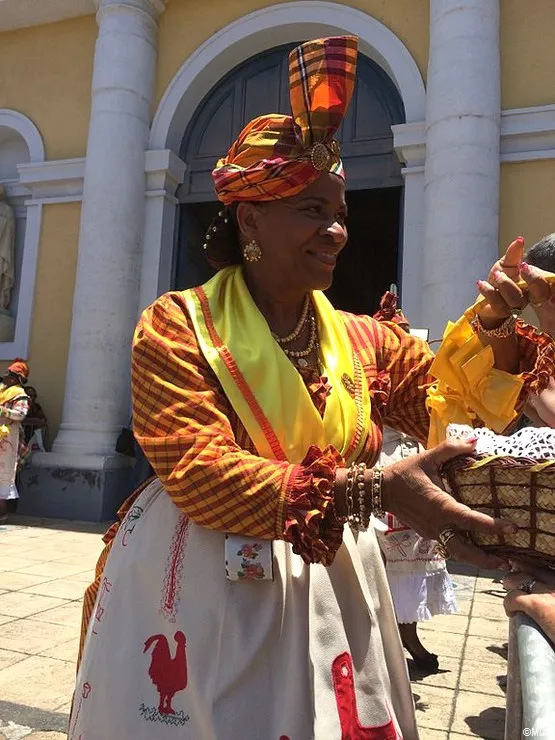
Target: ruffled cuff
(537, 358)
(311, 522)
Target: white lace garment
(537, 443)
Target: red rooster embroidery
(168, 674)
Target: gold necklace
(312, 338)
(299, 328)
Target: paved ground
(45, 566)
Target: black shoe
(428, 662)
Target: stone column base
(73, 493)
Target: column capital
(152, 7)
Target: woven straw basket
(519, 489)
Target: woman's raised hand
(411, 490)
(511, 285)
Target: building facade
(113, 112)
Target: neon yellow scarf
(262, 385)
(8, 393)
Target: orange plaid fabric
(271, 158)
(389, 311)
(19, 367)
(200, 450)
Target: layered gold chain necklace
(299, 356)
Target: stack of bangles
(363, 495)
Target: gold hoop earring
(252, 252)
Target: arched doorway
(371, 261)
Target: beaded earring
(252, 252)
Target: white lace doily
(535, 442)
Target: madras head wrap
(19, 367)
(277, 156)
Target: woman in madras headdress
(14, 405)
(242, 594)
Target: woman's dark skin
(300, 239)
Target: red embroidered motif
(105, 588)
(171, 589)
(345, 696)
(168, 674)
(85, 691)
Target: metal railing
(530, 681)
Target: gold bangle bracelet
(504, 330)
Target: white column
(410, 145)
(165, 171)
(462, 155)
(108, 271)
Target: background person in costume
(35, 422)
(14, 405)
(248, 562)
(417, 575)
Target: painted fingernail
(520, 239)
(471, 439)
(496, 273)
(524, 267)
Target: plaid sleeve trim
(312, 526)
(397, 367)
(537, 358)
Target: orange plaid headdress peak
(19, 367)
(278, 156)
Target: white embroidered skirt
(420, 596)
(175, 650)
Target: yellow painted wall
(526, 205)
(185, 25)
(527, 53)
(45, 73)
(52, 309)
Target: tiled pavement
(45, 566)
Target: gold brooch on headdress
(323, 155)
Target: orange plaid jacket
(200, 450)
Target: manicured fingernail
(471, 439)
(496, 273)
(524, 267)
(520, 239)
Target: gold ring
(442, 552)
(527, 585)
(446, 535)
